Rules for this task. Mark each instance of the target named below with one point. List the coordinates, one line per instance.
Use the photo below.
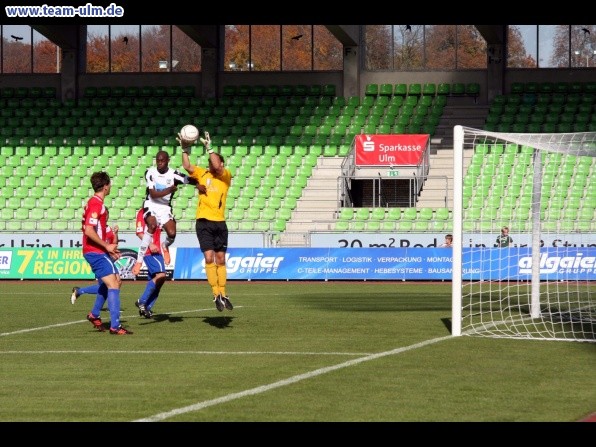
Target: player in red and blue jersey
(94, 289)
(101, 254)
(156, 267)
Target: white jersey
(159, 182)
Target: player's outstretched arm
(185, 145)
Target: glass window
(98, 48)
(186, 53)
(125, 48)
(553, 46)
(471, 48)
(408, 47)
(327, 50)
(441, 43)
(377, 47)
(16, 51)
(46, 55)
(296, 47)
(265, 48)
(583, 46)
(155, 47)
(275, 47)
(522, 46)
(236, 47)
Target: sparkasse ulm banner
(390, 150)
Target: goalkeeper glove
(185, 145)
(207, 142)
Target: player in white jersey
(162, 183)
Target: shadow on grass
(158, 318)
(218, 322)
(447, 323)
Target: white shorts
(162, 213)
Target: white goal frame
(516, 292)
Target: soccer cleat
(95, 321)
(137, 268)
(148, 314)
(219, 304)
(142, 310)
(227, 302)
(75, 295)
(120, 331)
(166, 253)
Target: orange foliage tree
(286, 47)
(583, 45)
(517, 55)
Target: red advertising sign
(390, 150)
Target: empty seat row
(427, 89)
(553, 87)
(28, 92)
(279, 90)
(134, 91)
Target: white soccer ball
(189, 133)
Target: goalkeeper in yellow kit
(212, 231)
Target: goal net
(536, 281)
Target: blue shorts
(155, 264)
(101, 264)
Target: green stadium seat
(342, 225)
(458, 89)
(329, 90)
(472, 89)
(400, 89)
(429, 89)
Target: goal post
(524, 235)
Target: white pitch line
(53, 326)
(345, 354)
(261, 389)
(233, 396)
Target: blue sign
(391, 264)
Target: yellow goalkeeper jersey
(212, 206)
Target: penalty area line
(289, 381)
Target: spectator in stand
(504, 240)
(448, 241)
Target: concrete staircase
(467, 115)
(318, 207)
(438, 188)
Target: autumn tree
(97, 54)
(408, 50)
(156, 46)
(265, 47)
(45, 57)
(16, 57)
(471, 48)
(328, 51)
(296, 47)
(583, 44)
(378, 43)
(289, 47)
(186, 51)
(454, 46)
(517, 55)
(236, 47)
(125, 49)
